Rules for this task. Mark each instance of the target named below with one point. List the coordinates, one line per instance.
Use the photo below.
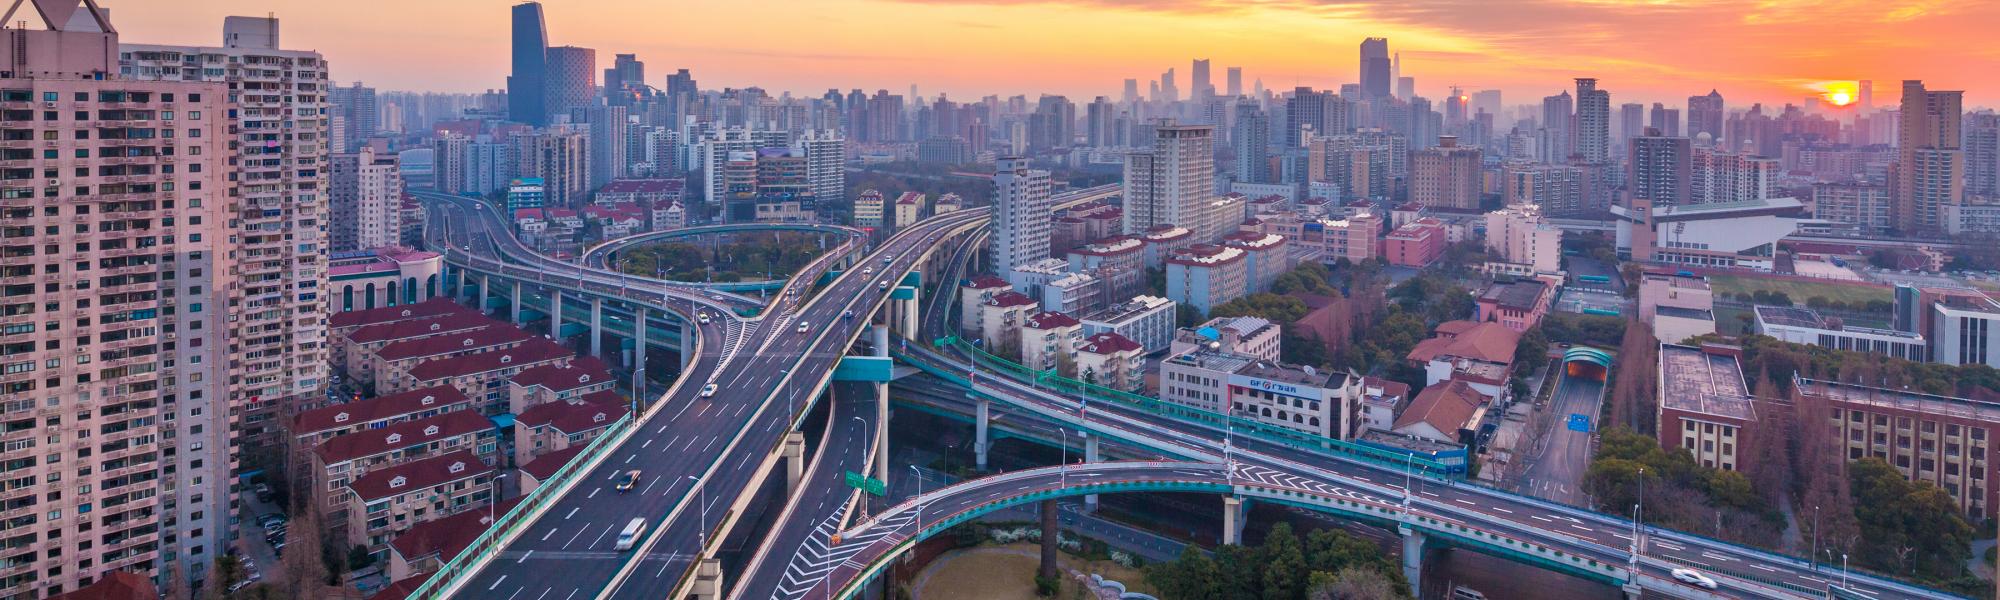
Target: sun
(1839, 98)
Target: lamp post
(1815, 552)
(702, 497)
(493, 508)
(919, 474)
(1063, 472)
(1843, 570)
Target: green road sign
(866, 484)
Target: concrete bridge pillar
(687, 343)
(597, 327)
(1632, 590)
(882, 410)
(707, 580)
(516, 304)
(555, 314)
(1090, 456)
(1413, 558)
(1232, 520)
(639, 338)
(485, 285)
(795, 460)
(980, 422)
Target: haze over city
(1772, 52)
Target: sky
(1773, 51)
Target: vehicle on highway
(848, 315)
(628, 481)
(804, 327)
(708, 391)
(1693, 577)
(630, 536)
(882, 285)
(868, 271)
(1465, 593)
(703, 317)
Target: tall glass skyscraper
(527, 86)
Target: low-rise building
(1943, 440)
(1162, 241)
(1268, 256)
(1806, 326)
(344, 458)
(974, 293)
(1048, 342)
(1112, 360)
(1000, 322)
(1147, 320)
(1518, 235)
(1519, 304)
(1416, 244)
(1249, 336)
(1704, 404)
(483, 377)
(314, 427)
(355, 350)
(1381, 400)
(1297, 398)
(1741, 234)
(1478, 353)
(1448, 412)
(1119, 261)
(909, 209)
(427, 546)
(553, 426)
(386, 276)
(1965, 329)
(386, 503)
(1205, 276)
(869, 210)
(389, 368)
(1677, 306)
(553, 383)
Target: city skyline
(963, 47)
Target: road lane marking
(649, 486)
(593, 493)
(496, 583)
(524, 557)
(1502, 510)
(1463, 501)
(690, 445)
(710, 444)
(1540, 518)
(545, 593)
(572, 512)
(1757, 566)
(648, 444)
(600, 537)
(517, 592)
(545, 536)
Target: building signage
(1274, 387)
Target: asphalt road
(1557, 472)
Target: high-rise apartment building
(1173, 182)
(1667, 120)
(1021, 206)
(609, 125)
(1251, 138)
(1305, 115)
(116, 274)
(527, 84)
(1929, 162)
(1659, 170)
(1235, 75)
(1591, 133)
(825, 151)
(1722, 176)
(364, 198)
(277, 347)
(449, 153)
(1982, 156)
(1201, 87)
(1100, 123)
(1561, 190)
(1374, 71)
(1445, 176)
(1553, 143)
(1706, 114)
(1631, 122)
(561, 159)
(359, 116)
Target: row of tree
(1327, 565)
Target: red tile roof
(1486, 342)
(379, 407)
(984, 282)
(470, 341)
(545, 466)
(372, 442)
(418, 475)
(1446, 406)
(116, 585)
(534, 352)
(401, 589)
(642, 186)
(1109, 342)
(1050, 320)
(443, 324)
(573, 416)
(583, 372)
(422, 310)
(446, 537)
(1008, 299)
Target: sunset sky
(1641, 50)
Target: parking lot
(251, 545)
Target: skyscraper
(1865, 95)
(1235, 82)
(1982, 156)
(1173, 182)
(571, 79)
(1667, 120)
(1592, 132)
(1168, 92)
(1375, 78)
(1201, 87)
(1705, 115)
(364, 195)
(1929, 161)
(1252, 141)
(355, 105)
(1021, 202)
(1553, 141)
(608, 128)
(1631, 122)
(1131, 91)
(626, 70)
(1659, 170)
(1445, 176)
(1100, 120)
(527, 85)
(1304, 111)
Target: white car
(708, 391)
(868, 271)
(805, 327)
(1693, 577)
(704, 318)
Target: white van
(630, 536)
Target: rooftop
(1213, 361)
(1295, 374)
(446, 537)
(985, 282)
(1049, 320)
(1448, 407)
(592, 411)
(1127, 309)
(1903, 400)
(535, 350)
(583, 372)
(1706, 380)
(1684, 312)
(1523, 294)
(418, 475)
(422, 310)
(1108, 342)
(116, 585)
(1112, 245)
(371, 442)
(1486, 341)
(1205, 255)
(1010, 299)
(441, 325)
(377, 408)
(468, 341)
(545, 466)
(642, 186)
(1253, 240)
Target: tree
(1236, 572)
(1357, 583)
(306, 571)
(1284, 564)
(1192, 576)
(1911, 528)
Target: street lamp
(920, 499)
(493, 508)
(702, 497)
(1063, 471)
(1815, 552)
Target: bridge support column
(1632, 590)
(687, 344)
(485, 285)
(1090, 456)
(639, 338)
(516, 304)
(882, 410)
(597, 327)
(1413, 557)
(1051, 538)
(795, 460)
(707, 580)
(555, 314)
(1232, 520)
(981, 443)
